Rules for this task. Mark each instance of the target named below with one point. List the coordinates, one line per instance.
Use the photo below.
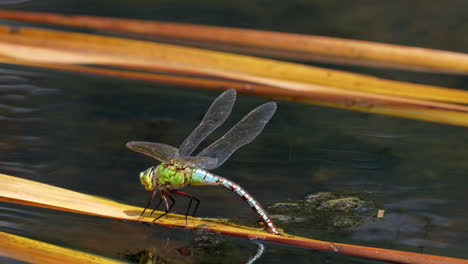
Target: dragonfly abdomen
(202, 177)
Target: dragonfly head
(146, 178)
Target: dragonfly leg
(147, 205)
(196, 206)
(157, 206)
(190, 202)
(165, 194)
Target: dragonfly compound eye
(146, 179)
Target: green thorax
(173, 174)
(166, 175)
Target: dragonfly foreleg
(164, 196)
(147, 205)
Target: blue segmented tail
(202, 177)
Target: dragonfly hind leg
(165, 194)
(190, 202)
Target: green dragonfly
(178, 168)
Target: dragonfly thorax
(166, 175)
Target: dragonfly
(178, 169)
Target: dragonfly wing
(199, 162)
(239, 135)
(216, 115)
(158, 151)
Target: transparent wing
(158, 151)
(242, 133)
(216, 115)
(199, 162)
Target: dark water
(69, 130)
